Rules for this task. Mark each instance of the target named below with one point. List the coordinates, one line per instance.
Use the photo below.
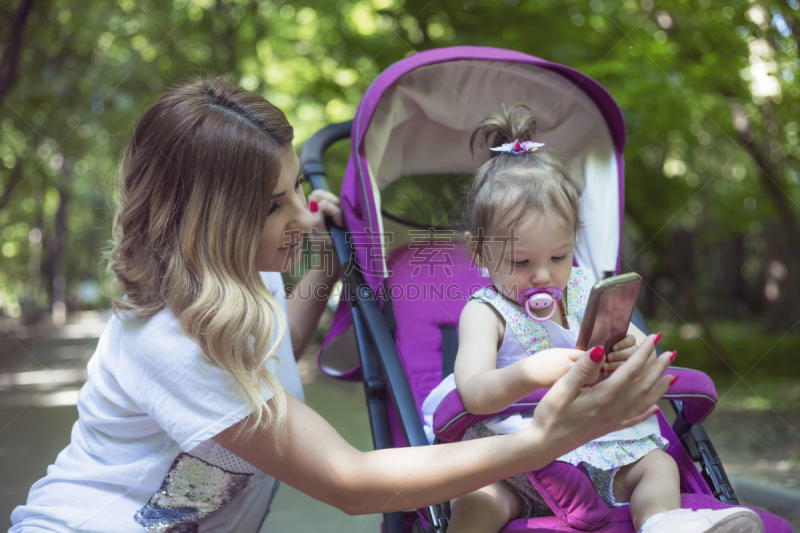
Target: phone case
(609, 311)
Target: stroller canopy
(417, 118)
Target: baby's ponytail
(512, 124)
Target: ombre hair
(194, 187)
(510, 187)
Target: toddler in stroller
(522, 216)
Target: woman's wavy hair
(194, 187)
(509, 187)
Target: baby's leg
(486, 510)
(651, 485)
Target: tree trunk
(685, 281)
(54, 265)
(15, 179)
(788, 16)
(770, 178)
(12, 48)
(783, 239)
(779, 284)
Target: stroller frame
(381, 365)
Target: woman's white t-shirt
(141, 456)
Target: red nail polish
(597, 354)
(312, 205)
(672, 357)
(658, 410)
(674, 379)
(658, 338)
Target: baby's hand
(619, 354)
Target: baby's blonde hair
(510, 187)
(195, 184)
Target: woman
(193, 406)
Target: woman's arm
(483, 387)
(309, 455)
(312, 457)
(307, 302)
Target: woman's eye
(519, 263)
(559, 258)
(273, 208)
(302, 180)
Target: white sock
(651, 521)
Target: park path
(40, 376)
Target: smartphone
(609, 311)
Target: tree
(707, 90)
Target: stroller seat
(420, 268)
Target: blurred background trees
(708, 89)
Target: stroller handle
(312, 161)
(375, 345)
(312, 155)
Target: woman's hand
(327, 204)
(324, 204)
(571, 414)
(621, 353)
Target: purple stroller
(406, 281)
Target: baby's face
(541, 256)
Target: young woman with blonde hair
(194, 408)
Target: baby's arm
(483, 387)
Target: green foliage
(430, 200)
(749, 352)
(677, 68)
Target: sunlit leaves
(674, 67)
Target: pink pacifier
(539, 299)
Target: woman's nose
(303, 220)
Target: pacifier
(539, 299)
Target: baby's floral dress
(601, 458)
